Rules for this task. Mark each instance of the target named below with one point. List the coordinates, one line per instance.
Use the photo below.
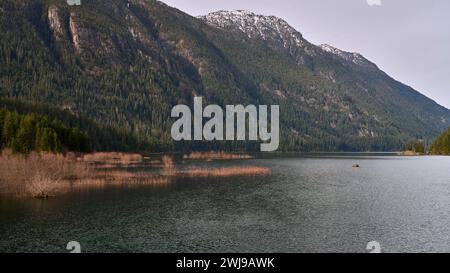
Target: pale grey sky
(408, 39)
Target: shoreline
(44, 175)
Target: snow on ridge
(349, 56)
(254, 25)
(274, 29)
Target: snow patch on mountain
(256, 26)
(278, 33)
(356, 58)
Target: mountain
(125, 64)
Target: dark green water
(317, 204)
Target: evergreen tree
(441, 145)
(33, 132)
(2, 123)
(10, 127)
(25, 136)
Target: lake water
(307, 204)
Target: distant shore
(44, 174)
(411, 153)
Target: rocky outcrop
(55, 21)
(74, 31)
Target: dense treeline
(70, 127)
(33, 132)
(442, 145)
(416, 147)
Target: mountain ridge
(126, 63)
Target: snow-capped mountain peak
(256, 26)
(278, 34)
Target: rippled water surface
(315, 204)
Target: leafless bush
(38, 174)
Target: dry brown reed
(168, 165)
(113, 158)
(38, 174)
(46, 174)
(121, 179)
(227, 171)
(216, 156)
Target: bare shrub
(42, 186)
(38, 174)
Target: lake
(307, 204)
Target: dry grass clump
(39, 174)
(216, 156)
(168, 165)
(167, 162)
(113, 158)
(228, 171)
(119, 178)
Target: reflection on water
(315, 204)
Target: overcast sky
(408, 39)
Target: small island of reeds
(216, 155)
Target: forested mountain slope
(125, 64)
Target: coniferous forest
(442, 144)
(27, 127)
(32, 132)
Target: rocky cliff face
(55, 21)
(75, 31)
